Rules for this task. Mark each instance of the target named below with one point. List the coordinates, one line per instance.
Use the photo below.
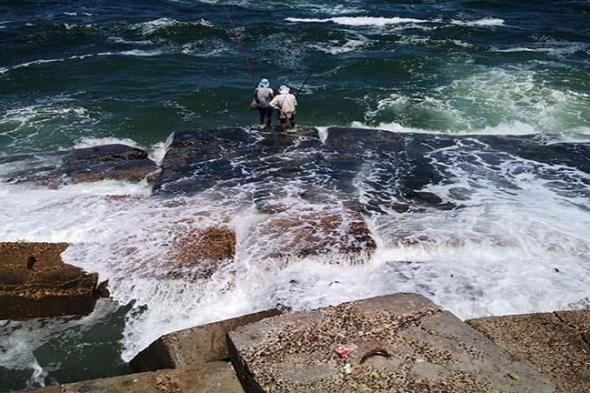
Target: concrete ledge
(557, 344)
(396, 343)
(35, 283)
(193, 347)
(216, 377)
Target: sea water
(74, 74)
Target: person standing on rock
(285, 103)
(262, 97)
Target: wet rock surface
(297, 234)
(197, 160)
(115, 162)
(397, 343)
(35, 283)
(557, 344)
(199, 253)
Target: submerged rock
(198, 254)
(320, 233)
(35, 283)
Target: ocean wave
(519, 49)
(488, 98)
(78, 14)
(44, 61)
(484, 22)
(512, 128)
(151, 27)
(92, 142)
(335, 47)
(359, 20)
(121, 40)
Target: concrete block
(215, 377)
(193, 347)
(35, 283)
(557, 344)
(397, 343)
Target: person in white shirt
(262, 96)
(286, 104)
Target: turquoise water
(139, 70)
(507, 237)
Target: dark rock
(105, 153)
(102, 290)
(197, 160)
(117, 162)
(48, 288)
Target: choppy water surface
(488, 104)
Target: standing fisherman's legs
(268, 114)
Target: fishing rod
(305, 82)
(234, 35)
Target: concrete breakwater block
(396, 343)
(193, 347)
(35, 283)
(217, 377)
(557, 344)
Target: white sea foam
(120, 40)
(78, 14)
(484, 22)
(519, 49)
(92, 142)
(335, 47)
(359, 20)
(32, 116)
(153, 26)
(491, 98)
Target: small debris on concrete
(514, 376)
(343, 351)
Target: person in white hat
(262, 97)
(286, 104)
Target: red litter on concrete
(343, 351)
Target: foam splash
(358, 20)
(92, 142)
(493, 100)
(156, 25)
(484, 22)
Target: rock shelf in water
(35, 283)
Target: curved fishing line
(236, 37)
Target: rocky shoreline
(400, 342)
